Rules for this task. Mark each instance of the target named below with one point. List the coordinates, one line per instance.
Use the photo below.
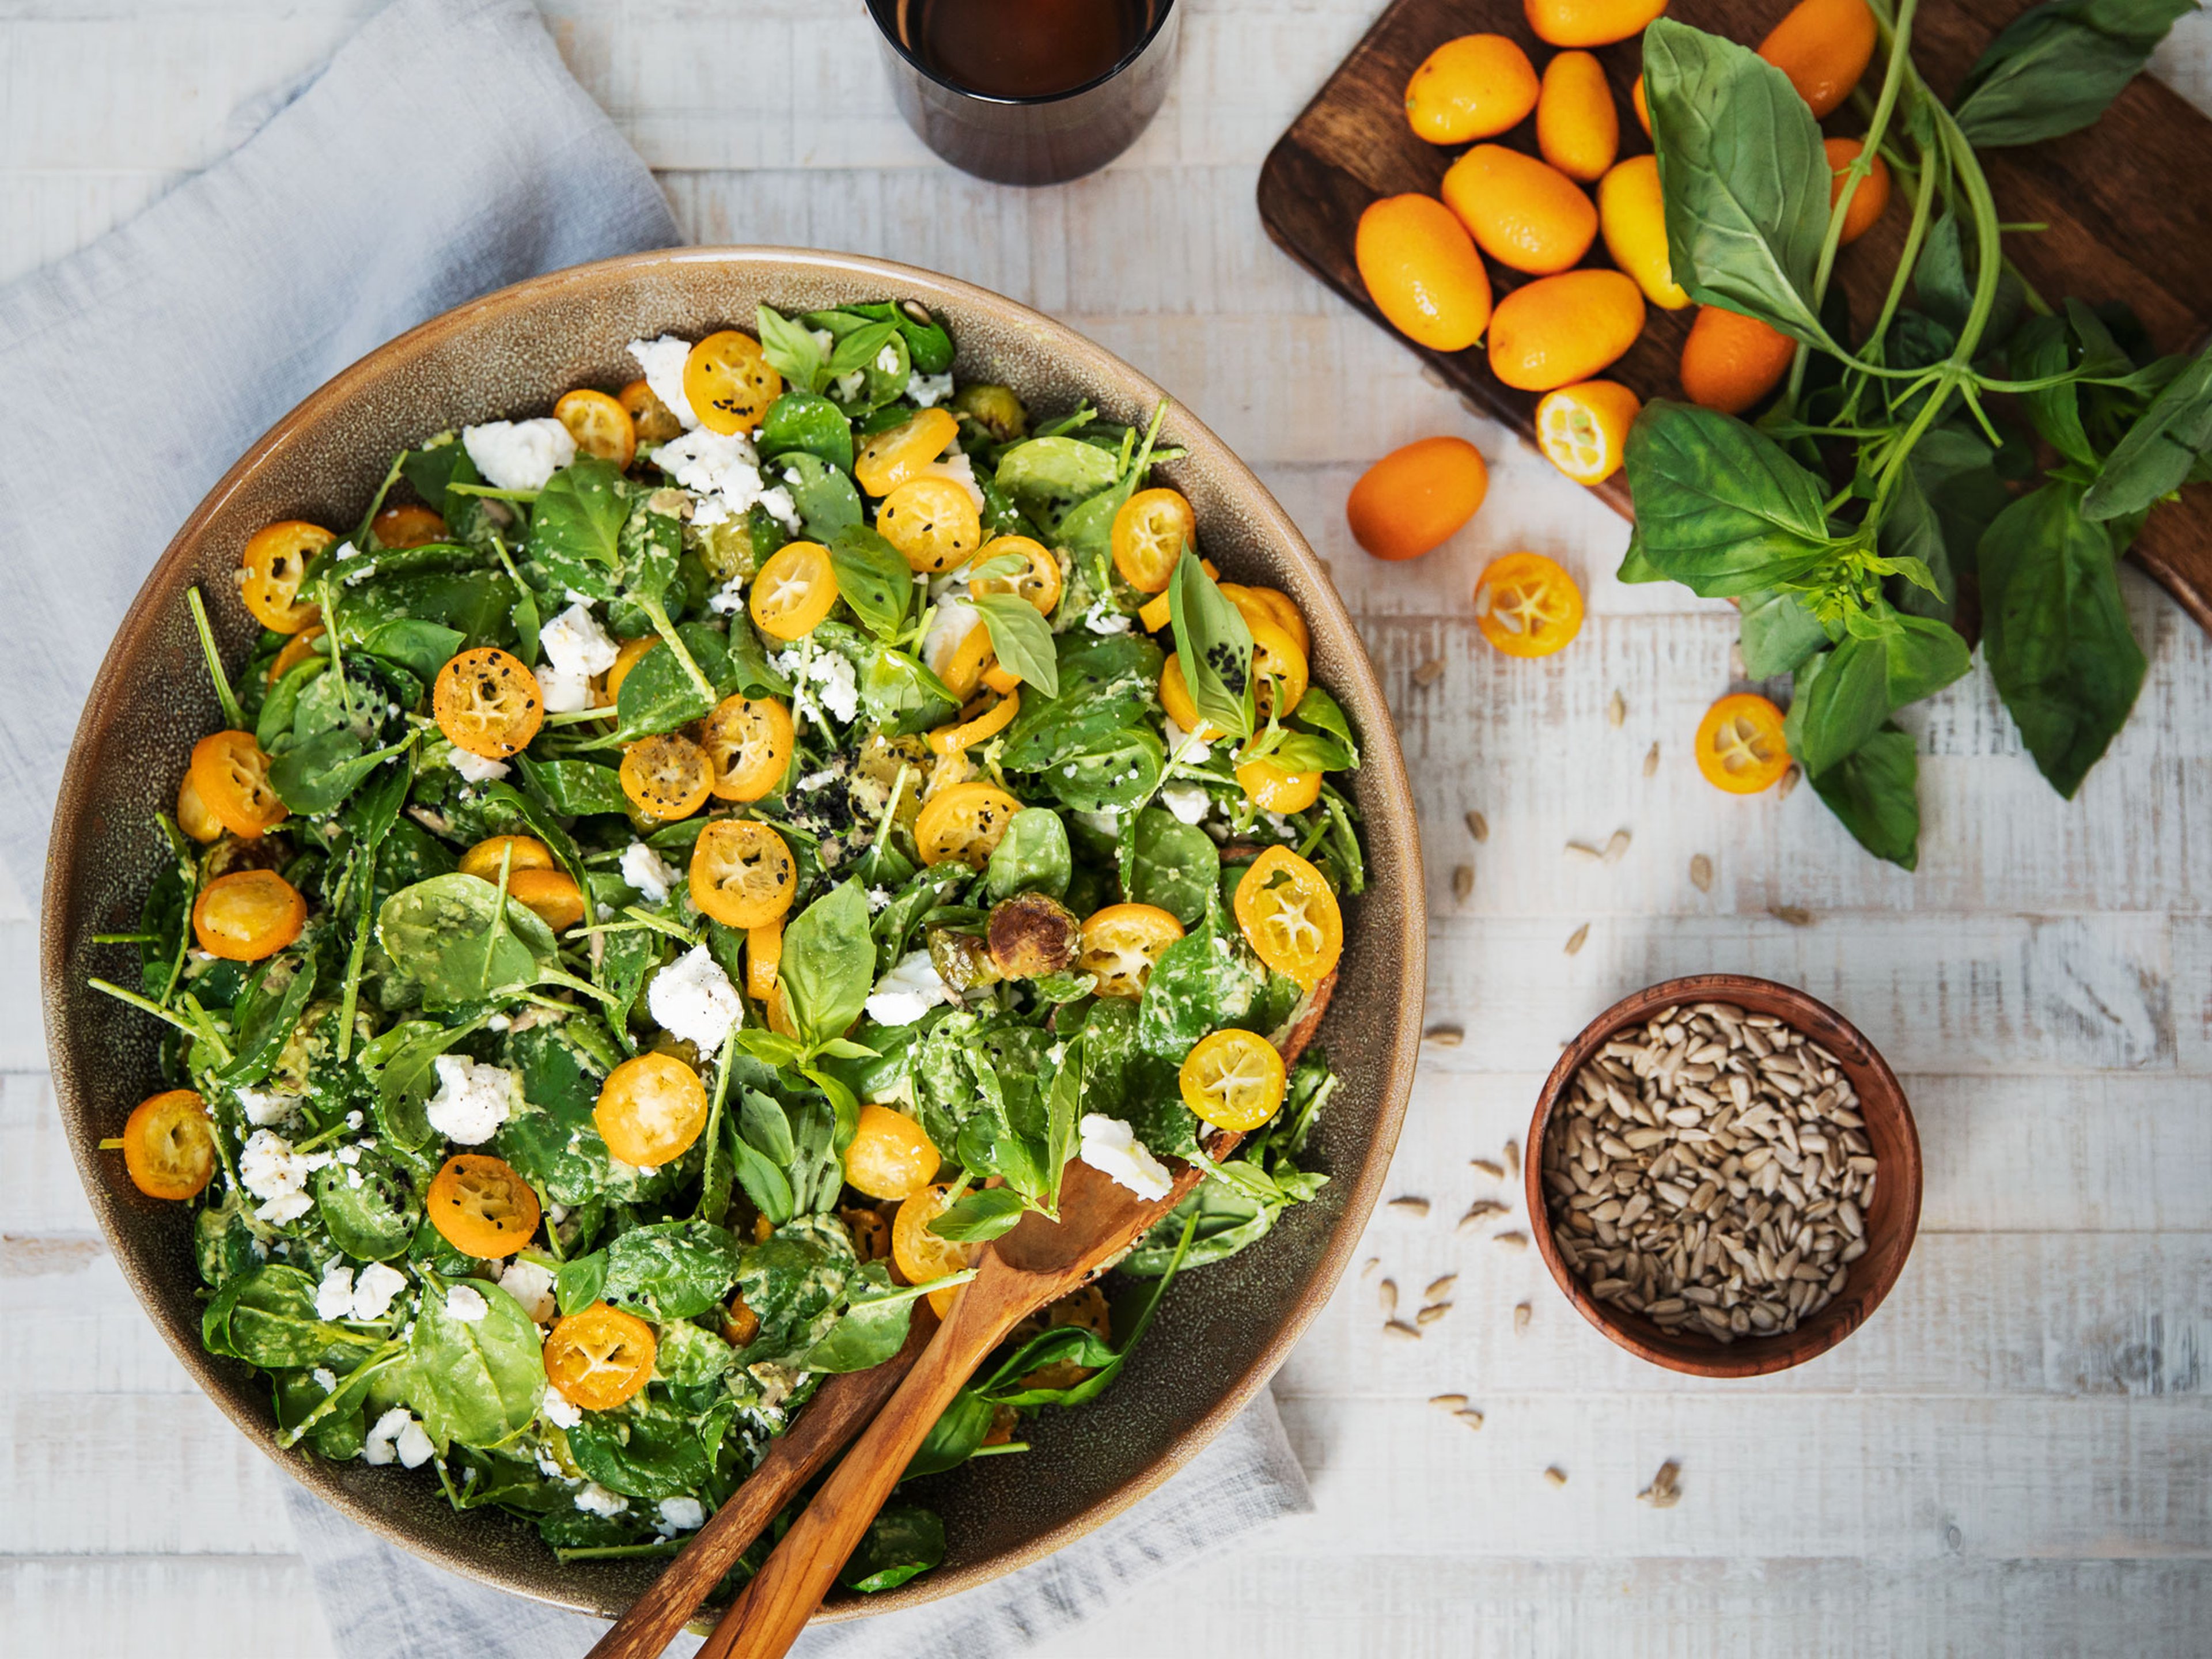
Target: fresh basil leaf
(952, 1439)
(1845, 696)
(1063, 1107)
(1032, 856)
(871, 1330)
(791, 350)
(829, 964)
(1720, 507)
(2055, 631)
(1213, 646)
(1746, 180)
(1022, 640)
(1875, 791)
(1912, 535)
(1941, 281)
(1321, 712)
(766, 1184)
(1305, 751)
(980, 1215)
(2055, 68)
(860, 348)
(574, 787)
(902, 696)
(2156, 457)
(872, 577)
(576, 526)
(1778, 632)
(802, 421)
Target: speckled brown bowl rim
(1090, 366)
(1761, 1356)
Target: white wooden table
(2015, 1456)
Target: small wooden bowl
(1891, 1220)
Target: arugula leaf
(791, 350)
(2161, 450)
(872, 577)
(1746, 180)
(2055, 631)
(1873, 790)
(1720, 507)
(1213, 646)
(1021, 639)
(2055, 68)
(576, 526)
(829, 964)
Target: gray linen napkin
(443, 153)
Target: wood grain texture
(2128, 205)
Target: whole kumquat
(1582, 430)
(1823, 47)
(1589, 22)
(1731, 361)
(1577, 125)
(1558, 330)
(1642, 107)
(1475, 86)
(1417, 497)
(890, 1155)
(1869, 200)
(1739, 745)
(407, 525)
(1526, 605)
(1421, 269)
(1633, 215)
(1523, 213)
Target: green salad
(683, 872)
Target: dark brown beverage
(1022, 48)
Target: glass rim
(877, 8)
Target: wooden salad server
(835, 1413)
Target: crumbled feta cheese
(475, 767)
(574, 643)
(519, 454)
(471, 1101)
(354, 1120)
(558, 1409)
(887, 360)
(1111, 1148)
(1184, 746)
(837, 689)
(377, 1448)
(814, 781)
(334, 1295)
(713, 463)
(596, 1499)
(277, 1175)
(532, 1286)
(879, 899)
(564, 694)
(681, 1514)
(466, 1302)
(647, 871)
(1281, 825)
(413, 1446)
(348, 1156)
(1188, 801)
(929, 390)
(1107, 823)
(908, 990)
(262, 1110)
(845, 387)
(347, 550)
(373, 1290)
(729, 598)
(1103, 618)
(693, 999)
(661, 362)
(958, 469)
(949, 624)
(326, 1379)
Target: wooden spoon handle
(766, 1619)
(839, 1408)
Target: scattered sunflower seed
(1445, 1036)
(1449, 1402)
(1616, 848)
(1651, 760)
(1495, 1171)
(1439, 1288)
(1795, 914)
(1429, 673)
(1435, 377)
(1521, 1315)
(1664, 1492)
(1556, 1475)
(1386, 1297)
(1575, 939)
(1510, 1240)
(1477, 1213)
(1367, 1268)
(1399, 1331)
(1433, 1312)
(1462, 882)
(1788, 782)
(1616, 712)
(1413, 1206)
(1738, 669)
(1478, 826)
(1513, 1159)
(1583, 850)
(1701, 873)
(1473, 1418)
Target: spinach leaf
(574, 787)
(1110, 772)
(2054, 68)
(1229, 1218)
(952, 1439)
(874, 578)
(315, 777)
(1746, 180)
(401, 1064)
(760, 1144)
(647, 1450)
(370, 1207)
(1033, 856)
(279, 706)
(829, 964)
(672, 1269)
(551, 1137)
(794, 1281)
(449, 934)
(983, 1214)
(1875, 790)
(1108, 684)
(688, 1355)
(576, 526)
(903, 1540)
(409, 620)
(659, 695)
(422, 647)
(1196, 987)
(266, 1316)
(1720, 507)
(792, 349)
(1046, 477)
(873, 1327)
(475, 1384)
(1213, 648)
(806, 422)
(825, 498)
(1777, 632)
(2055, 631)
(578, 1282)
(1078, 1345)
(1176, 865)
(2159, 452)
(1022, 638)
(1305, 751)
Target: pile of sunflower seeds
(1710, 1169)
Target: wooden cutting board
(2128, 204)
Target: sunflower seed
(1788, 782)
(1575, 939)
(1472, 1418)
(1662, 1494)
(1412, 1207)
(1584, 851)
(1796, 916)
(1651, 761)
(1510, 1240)
(1701, 873)
(1462, 882)
(1445, 1036)
(1386, 1295)
(1449, 1402)
(1477, 1213)
(1521, 1315)
(1556, 1475)
(1478, 826)
(1433, 1312)
(1367, 1268)
(1495, 1171)
(1399, 1331)
(1617, 848)
(1429, 673)
(1616, 712)
(1439, 1288)
(1513, 1158)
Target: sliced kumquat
(742, 873)
(517, 853)
(168, 1145)
(892, 457)
(599, 1357)
(193, 815)
(1272, 789)
(891, 1155)
(1583, 429)
(408, 524)
(248, 914)
(1150, 531)
(1181, 708)
(1038, 580)
(979, 721)
(272, 567)
(966, 823)
(729, 382)
(651, 1110)
(296, 650)
(488, 704)
(551, 895)
(921, 1256)
(482, 1207)
(1739, 745)
(1526, 605)
(933, 522)
(1122, 946)
(748, 740)
(1289, 914)
(763, 955)
(655, 422)
(1233, 1080)
(599, 424)
(793, 591)
(667, 776)
(230, 774)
